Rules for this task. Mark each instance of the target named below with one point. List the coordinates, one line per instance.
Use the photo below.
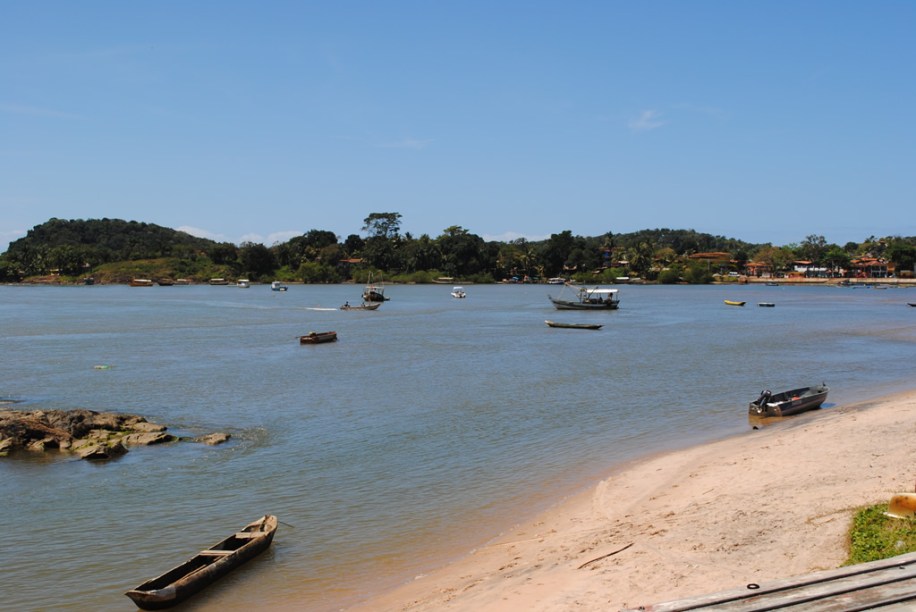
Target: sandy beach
(773, 503)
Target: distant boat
(318, 337)
(766, 304)
(363, 306)
(205, 567)
(278, 286)
(556, 280)
(734, 303)
(374, 292)
(588, 299)
(182, 281)
(574, 325)
(911, 304)
(218, 281)
(458, 292)
(165, 282)
(243, 283)
(141, 282)
(788, 402)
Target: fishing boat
(588, 299)
(374, 292)
(318, 337)
(459, 292)
(278, 286)
(205, 567)
(363, 306)
(573, 325)
(734, 303)
(789, 402)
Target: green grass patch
(875, 536)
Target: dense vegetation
(113, 250)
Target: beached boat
(218, 281)
(458, 292)
(588, 299)
(363, 306)
(573, 325)
(788, 402)
(374, 292)
(165, 282)
(141, 282)
(734, 303)
(205, 567)
(278, 286)
(318, 337)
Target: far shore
(769, 504)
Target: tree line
(115, 250)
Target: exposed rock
(90, 434)
(214, 438)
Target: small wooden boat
(363, 306)
(573, 325)
(788, 402)
(766, 304)
(218, 281)
(141, 282)
(318, 337)
(205, 567)
(734, 303)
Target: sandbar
(773, 503)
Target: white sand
(771, 504)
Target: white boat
(278, 286)
(243, 283)
(458, 292)
(556, 280)
(374, 292)
(588, 299)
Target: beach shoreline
(665, 526)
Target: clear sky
(764, 121)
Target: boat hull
(573, 325)
(318, 337)
(571, 305)
(790, 402)
(185, 580)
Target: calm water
(431, 425)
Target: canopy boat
(788, 402)
(458, 292)
(243, 283)
(363, 306)
(374, 292)
(318, 337)
(278, 286)
(734, 303)
(205, 567)
(573, 325)
(588, 299)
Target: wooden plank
(865, 586)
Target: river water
(432, 424)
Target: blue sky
(764, 121)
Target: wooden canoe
(205, 567)
(318, 337)
(574, 325)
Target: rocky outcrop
(87, 433)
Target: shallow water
(429, 426)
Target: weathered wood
(888, 584)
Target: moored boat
(734, 303)
(789, 402)
(574, 325)
(218, 281)
(588, 299)
(374, 292)
(205, 567)
(318, 337)
(141, 282)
